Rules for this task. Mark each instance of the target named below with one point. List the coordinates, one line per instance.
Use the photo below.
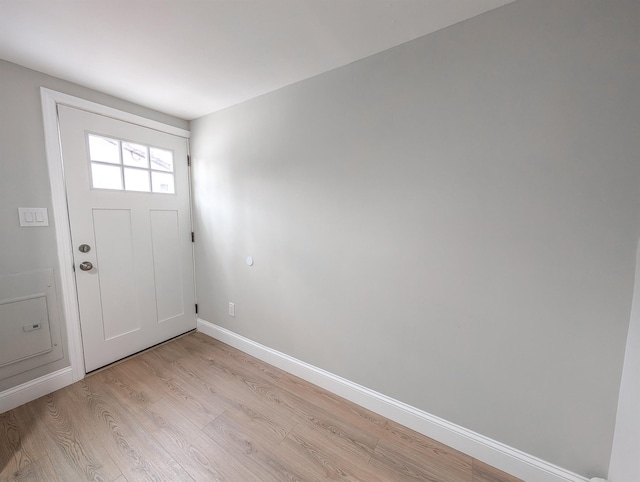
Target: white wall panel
(28, 299)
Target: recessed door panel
(116, 271)
(167, 264)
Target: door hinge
(193, 237)
(188, 160)
(196, 308)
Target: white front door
(128, 196)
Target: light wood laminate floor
(197, 409)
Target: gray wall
(452, 222)
(24, 178)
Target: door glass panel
(148, 169)
(134, 155)
(105, 176)
(161, 160)
(136, 180)
(104, 149)
(162, 182)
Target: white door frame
(50, 100)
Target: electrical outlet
(232, 309)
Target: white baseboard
(501, 456)
(14, 397)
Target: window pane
(134, 155)
(103, 149)
(106, 177)
(136, 180)
(162, 182)
(161, 160)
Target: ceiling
(192, 57)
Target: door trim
(50, 100)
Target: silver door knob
(86, 266)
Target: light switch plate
(33, 217)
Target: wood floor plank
(172, 350)
(327, 456)
(156, 366)
(415, 455)
(17, 449)
(401, 464)
(357, 416)
(38, 470)
(252, 450)
(222, 349)
(72, 447)
(132, 393)
(231, 392)
(261, 424)
(199, 406)
(210, 390)
(201, 457)
(138, 456)
(135, 373)
(227, 367)
(110, 383)
(287, 403)
(333, 424)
